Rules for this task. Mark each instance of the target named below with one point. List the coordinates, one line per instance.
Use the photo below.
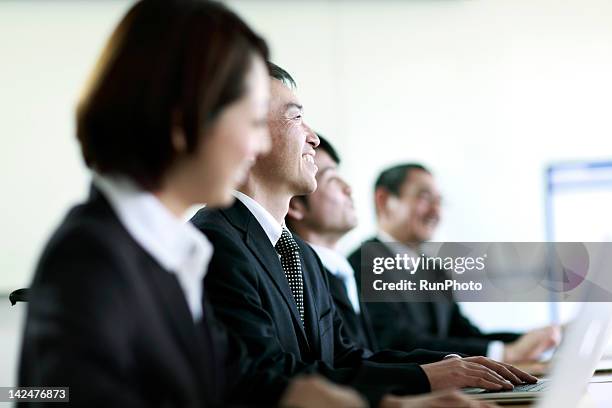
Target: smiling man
(269, 287)
(408, 211)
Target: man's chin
(307, 186)
(426, 236)
(348, 227)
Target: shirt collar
(177, 246)
(269, 224)
(333, 261)
(340, 267)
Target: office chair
(19, 295)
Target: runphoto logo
(423, 262)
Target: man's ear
(297, 209)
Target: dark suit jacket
(358, 327)
(250, 294)
(436, 325)
(106, 320)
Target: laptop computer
(574, 363)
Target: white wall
(485, 92)
(46, 52)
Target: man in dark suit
(270, 288)
(407, 204)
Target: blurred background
(508, 102)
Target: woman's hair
(169, 63)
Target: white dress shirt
(495, 348)
(339, 266)
(177, 246)
(271, 227)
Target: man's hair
(167, 64)
(392, 178)
(325, 146)
(279, 73)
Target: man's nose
(311, 137)
(435, 207)
(346, 188)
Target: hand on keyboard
(478, 372)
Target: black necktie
(289, 253)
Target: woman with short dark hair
(174, 115)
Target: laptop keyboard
(537, 387)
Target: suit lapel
(259, 244)
(338, 291)
(311, 312)
(367, 328)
